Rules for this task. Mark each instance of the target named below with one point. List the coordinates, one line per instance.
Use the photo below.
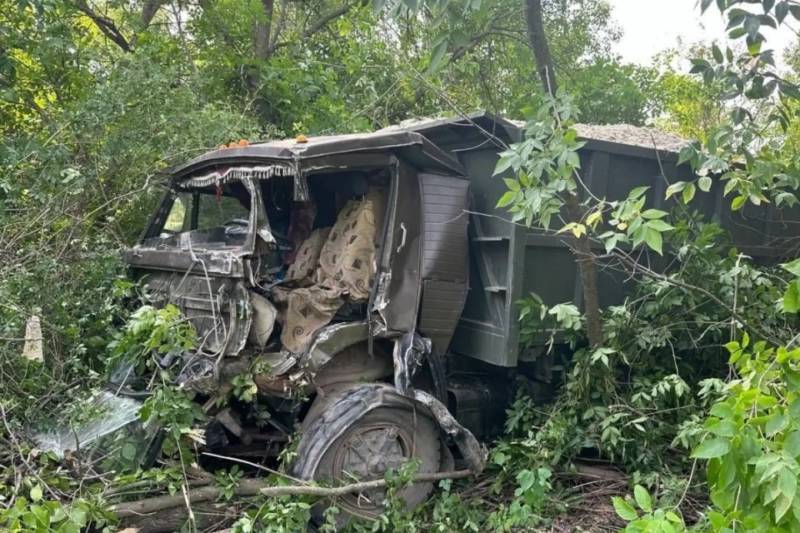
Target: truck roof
(424, 142)
(408, 144)
(626, 139)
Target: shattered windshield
(215, 217)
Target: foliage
(546, 166)
(543, 164)
(51, 516)
(632, 397)
(610, 92)
(150, 336)
(650, 519)
(31, 503)
(754, 166)
(752, 439)
(278, 515)
(680, 102)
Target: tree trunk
(261, 45)
(583, 250)
(149, 10)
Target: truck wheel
(365, 432)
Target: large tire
(364, 431)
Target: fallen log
(246, 487)
(253, 487)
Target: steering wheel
(236, 226)
(237, 222)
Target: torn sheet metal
(410, 352)
(331, 340)
(408, 355)
(474, 453)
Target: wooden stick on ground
(252, 487)
(327, 492)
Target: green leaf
(704, 183)
(659, 225)
(793, 267)
(637, 192)
(688, 192)
(723, 428)
(791, 298)
(573, 160)
(624, 509)
(738, 203)
(36, 493)
(751, 26)
(781, 10)
(754, 45)
(611, 243)
(512, 184)
(717, 53)
(437, 54)
(712, 448)
(791, 444)
(722, 410)
(776, 423)
(506, 199)
(654, 240)
(782, 505)
(654, 213)
(503, 164)
(675, 188)
(787, 482)
(643, 498)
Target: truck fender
(355, 402)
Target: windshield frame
(257, 221)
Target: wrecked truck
(369, 283)
(334, 270)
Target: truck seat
(344, 272)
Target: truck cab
(334, 271)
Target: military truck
(370, 283)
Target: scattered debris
(33, 349)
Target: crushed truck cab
(337, 267)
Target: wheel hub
(369, 453)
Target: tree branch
(330, 492)
(106, 26)
(252, 487)
(319, 24)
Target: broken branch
(105, 25)
(252, 487)
(328, 492)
